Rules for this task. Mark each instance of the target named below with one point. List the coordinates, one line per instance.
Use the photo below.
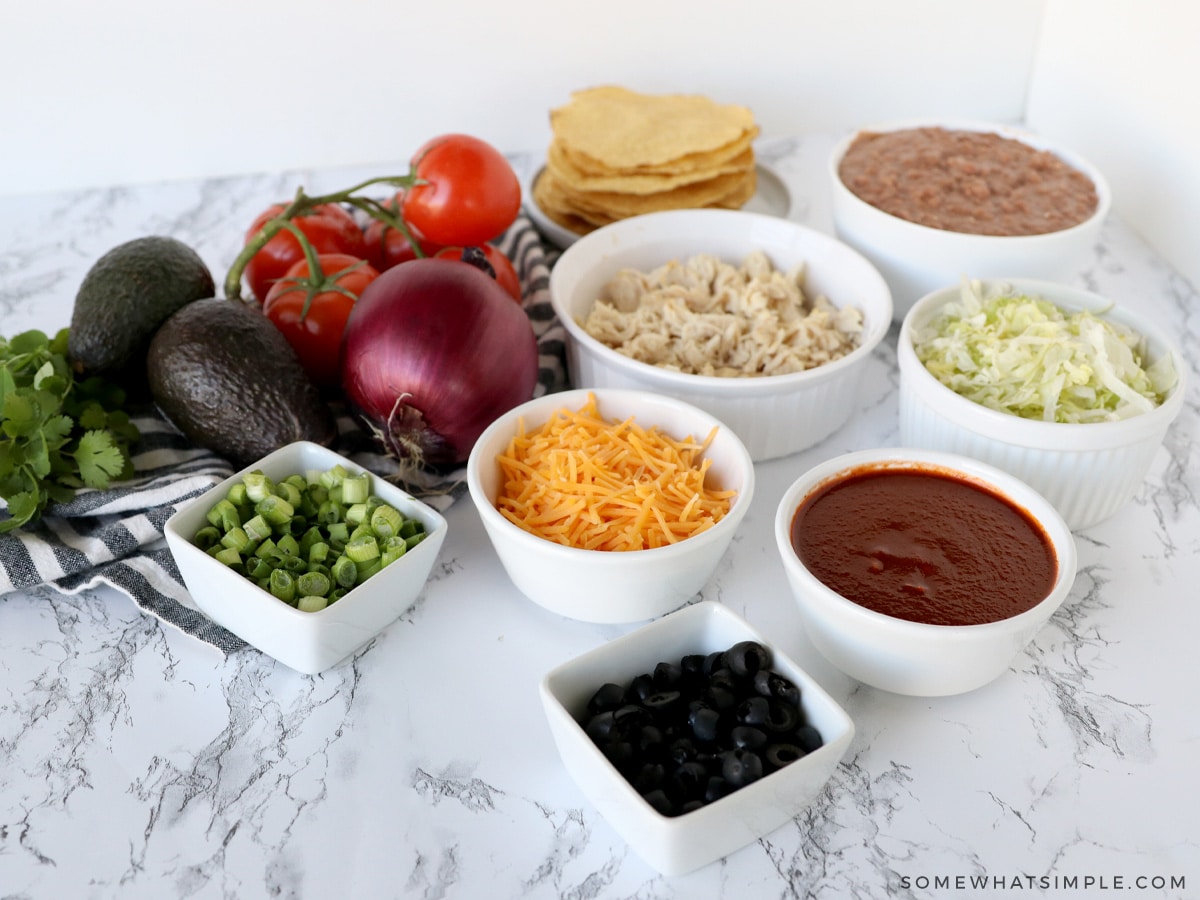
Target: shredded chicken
(707, 317)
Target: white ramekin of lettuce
(1055, 385)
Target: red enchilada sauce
(924, 545)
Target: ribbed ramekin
(775, 415)
(1087, 471)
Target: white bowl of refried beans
(931, 202)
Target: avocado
(124, 298)
(228, 379)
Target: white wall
(129, 91)
(124, 91)
(1119, 81)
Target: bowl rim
(171, 528)
(1013, 131)
(1012, 429)
(973, 470)
(874, 331)
(549, 403)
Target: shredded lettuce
(1025, 356)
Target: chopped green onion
(345, 572)
(313, 583)
(237, 539)
(257, 528)
(356, 514)
(258, 568)
(207, 537)
(333, 477)
(288, 545)
(224, 515)
(237, 494)
(329, 513)
(361, 531)
(393, 548)
(363, 549)
(367, 568)
(386, 521)
(258, 486)
(283, 585)
(356, 489)
(307, 539)
(288, 492)
(293, 564)
(275, 509)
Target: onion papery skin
(433, 352)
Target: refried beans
(975, 182)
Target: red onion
(434, 351)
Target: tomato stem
(302, 203)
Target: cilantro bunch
(57, 434)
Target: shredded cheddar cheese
(586, 482)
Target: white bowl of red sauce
(920, 572)
(590, 514)
(962, 197)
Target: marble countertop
(139, 762)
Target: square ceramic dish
(677, 844)
(308, 642)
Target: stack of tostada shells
(617, 153)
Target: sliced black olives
(696, 729)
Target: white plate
(772, 198)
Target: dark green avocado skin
(229, 380)
(124, 298)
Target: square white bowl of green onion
(305, 555)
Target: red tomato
(472, 196)
(316, 333)
(387, 246)
(329, 228)
(506, 273)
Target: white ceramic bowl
(610, 586)
(907, 657)
(916, 259)
(774, 416)
(308, 642)
(678, 844)
(1088, 471)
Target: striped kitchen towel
(115, 537)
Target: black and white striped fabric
(115, 537)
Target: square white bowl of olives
(686, 780)
(253, 565)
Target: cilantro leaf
(56, 434)
(20, 414)
(56, 430)
(99, 459)
(22, 507)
